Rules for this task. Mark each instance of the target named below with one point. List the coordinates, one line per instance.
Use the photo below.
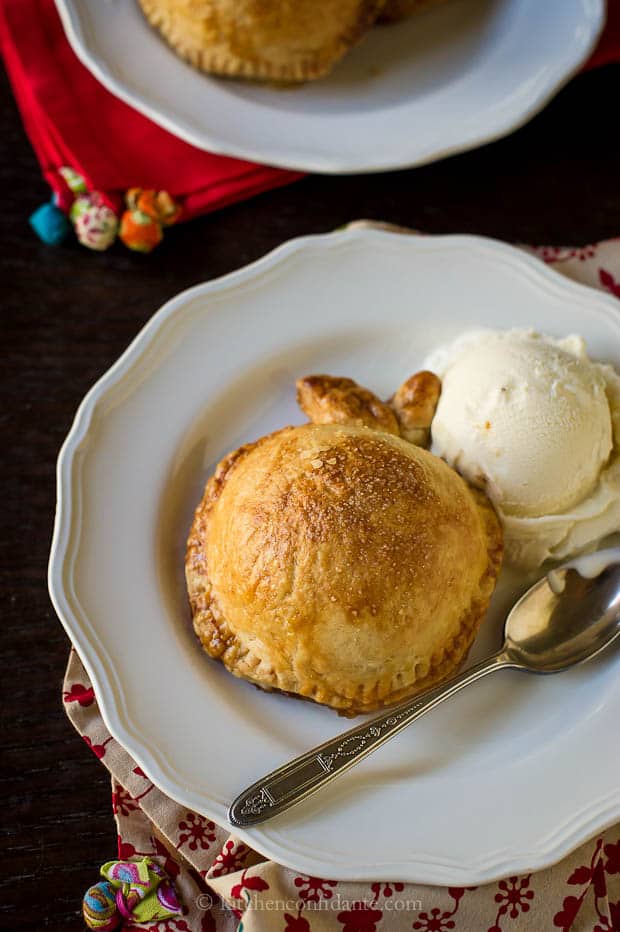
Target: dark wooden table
(66, 316)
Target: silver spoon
(566, 618)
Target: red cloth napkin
(73, 120)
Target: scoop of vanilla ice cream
(536, 424)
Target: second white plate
(510, 775)
(444, 81)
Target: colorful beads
(157, 204)
(95, 225)
(94, 216)
(169, 210)
(139, 891)
(73, 180)
(148, 211)
(140, 232)
(80, 206)
(50, 224)
(99, 907)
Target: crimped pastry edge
(221, 643)
(230, 66)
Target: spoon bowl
(566, 618)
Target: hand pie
(276, 40)
(340, 563)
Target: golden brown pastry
(414, 404)
(340, 563)
(276, 40)
(328, 399)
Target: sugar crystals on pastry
(340, 563)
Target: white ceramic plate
(444, 81)
(508, 777)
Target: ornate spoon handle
(289, 784)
